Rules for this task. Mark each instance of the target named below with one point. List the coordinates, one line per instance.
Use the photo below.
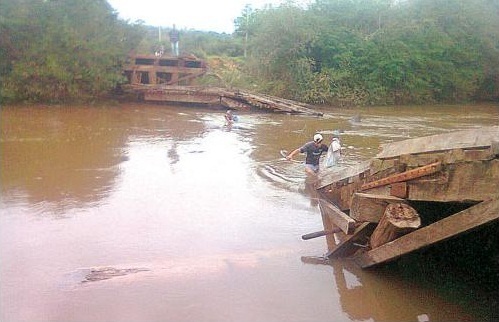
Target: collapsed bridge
(170, 79)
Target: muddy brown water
(161, 213)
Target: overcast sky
(206, 15)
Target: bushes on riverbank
(58, 51)
(333, 52)
(354, 52)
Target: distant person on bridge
(174, 39)
(314, 150)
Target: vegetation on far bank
(333, 52)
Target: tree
(244, 25)
(280, 38)
(70, 50)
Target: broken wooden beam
(337, 217)
(404, 176)
(370, 207)
(398, 219)
(349, 244)
(464, 221)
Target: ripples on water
(173, 216)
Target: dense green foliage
(346, 52)
(61, 50)
(335, 52)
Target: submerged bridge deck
(219, 98)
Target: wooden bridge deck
(170, 79)
(219, 98)
(460, 168)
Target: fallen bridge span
(218, 98)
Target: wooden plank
(331, 240)
(480, 137)
(348, 245)
(449, 156)
(404, 176)
(369, 207)
(465, 181)
(333, 174)
(346, 193)
(276, 103)
(337, 217)
(419, 160)
(399, 189)
(291, 106)
(466, 220)
(234, 104)
(382, 166)
(164, 92)
(186, 77)
(478, 154)
(494, 147)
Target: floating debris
(104, 273)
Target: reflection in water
(73, 157)
(363, 296)
(311, 191)
(379, 305)
(173, 154)
(69, 160)
(173, 216)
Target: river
(162, 213)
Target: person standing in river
(229, 117)
(314, 150)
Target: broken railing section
(393, 216)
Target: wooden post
(398, 219)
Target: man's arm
(292, 154)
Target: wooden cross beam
(404, 176)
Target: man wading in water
(314, 150)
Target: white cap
(317, 138)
